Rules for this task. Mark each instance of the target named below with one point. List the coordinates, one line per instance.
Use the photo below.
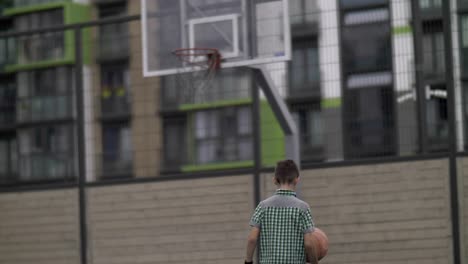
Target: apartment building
(101, 165)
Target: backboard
(246, 32)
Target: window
(175, 142)
(40, 47)
(116, 150)
(46, 153)
(303, 12)
(366, 41)
(44, 94)
(226, 84)
(7, 45)
(305, 69)
(370, 122)
(7, 102)
(222, 135)
(433, 50)
(113, 38)
(437, 117)
(207, 137)
(361, 3)
(425, 4)
(464, 44)
(8, 159)
(465, 113)
(308, 118)
(115, 89)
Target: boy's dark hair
(286, 171)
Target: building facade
(101, 165)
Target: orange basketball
(321, 243)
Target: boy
(283, 223)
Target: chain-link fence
(367, 80)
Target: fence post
(80, 126)
(447, 22)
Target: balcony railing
(45, 47)
(44, 108)
(42, 166)
(23, 3)
(116, 165)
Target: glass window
(366, 47)
(117, 150)
(464, 43)
(370, 122)
(175, 142)
(226, 84)
(7, 102)
(304, 68)
(7, 45)
(222, 135)
(113, 38)
(437, 117)
(44, 94)
(433, 50)
(361, 3)
(303, 12)
(46, 153)
(424, 4)
(308, 117)
(115, 89)
(39, 47)
(8, 158)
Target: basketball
(321, 243)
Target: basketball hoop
(197, 69)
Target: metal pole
(452, 132)
(256, 140)
(81, 144)
(420, 89)
(256, 144)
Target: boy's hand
(311, 254)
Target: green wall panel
(272, 136)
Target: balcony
(116, 165)
(43, 108)
(54, 48)
(46, 166)
(115, 105)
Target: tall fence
(363, 83)
(369, 82)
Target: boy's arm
(310, 248)
(252, 243)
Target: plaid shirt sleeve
(307, 224)
(256, 220)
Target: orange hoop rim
(189, 55)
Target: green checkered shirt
(283, 220)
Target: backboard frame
(286, 42)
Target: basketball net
(196, 73)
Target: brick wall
(39, 227)
(191, 221)
(379, 214)
(463, 189)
